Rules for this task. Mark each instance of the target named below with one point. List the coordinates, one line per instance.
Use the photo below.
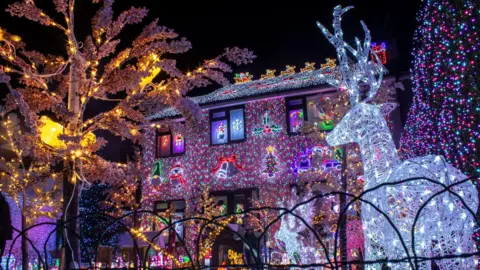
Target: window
(296, 114)
(319, 116)
(170, 144)
(227, 125)
(235, 201)
(178, 208)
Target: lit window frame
(227, 111)
(157, 149)
(289, 108)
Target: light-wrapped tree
(28, 178)
(92, 70)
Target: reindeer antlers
(363, 70)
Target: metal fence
(259, 260)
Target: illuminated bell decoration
(267, 127)
(227, 167)
(242, 77)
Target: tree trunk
(25, 234)
(71, 191)
(70, 205)
(343, 203)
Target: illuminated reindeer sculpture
(422, 220)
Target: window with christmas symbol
(172, 211)
(170, 144)
(296, 114)
(227, 125)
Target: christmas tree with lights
(93, 224)
(445, 113)
(271, 163)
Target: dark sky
(279, 33)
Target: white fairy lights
(444, 225)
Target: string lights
(444, 117)
(437, 228)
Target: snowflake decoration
(237, 124)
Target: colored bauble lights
(267, 128)
(444, 118)
(270, 162)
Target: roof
(259, 87)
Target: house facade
(250, 147)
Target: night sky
(279, 33)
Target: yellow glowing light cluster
(146, 80)
(330, 63)
(139, 234)
(235, 257)
(208, 243)
(270, 73)
(308, 67)
(289, 70)
(49, 132)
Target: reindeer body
(291, 227)
(444, 226)
(407, 219)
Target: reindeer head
(350, 77)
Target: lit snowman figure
(221, 133)
(176, 175)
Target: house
(250, 146)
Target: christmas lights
(444, 117)
(271, 162)
(242, 77)
(267, 128)
(438, 227)
(380, 51)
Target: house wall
(201, 158)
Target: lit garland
(236, 258)
(444, 117)
(268, 83)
